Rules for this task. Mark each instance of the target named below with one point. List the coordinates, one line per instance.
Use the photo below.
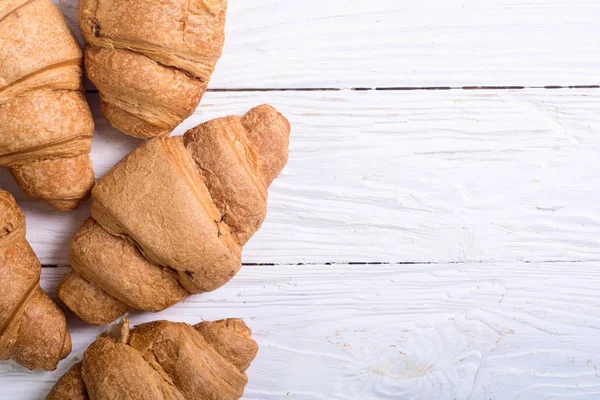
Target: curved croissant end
(45, 123)
(33, 329)
(151, 64)
(163, 359)
(171, 218)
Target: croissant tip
(64, 205)
(232, 324)
(239, 325)
(118, 332)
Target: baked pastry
(45, 123)
(170, 219)
(163, 360)
(151, 60)
(33, 329)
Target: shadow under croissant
(163, 359)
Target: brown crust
(229, 337)
(151, 64)
(33, 329)
(88, 301)
(122, 271)
(70, 386)
(45, 123)
(170, 219)
(163, 359)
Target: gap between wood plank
(393, 263)
(396, 88)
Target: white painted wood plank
(357, 43)
(405, 176)
(478, 331)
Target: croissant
(33, 329)
(163, 360)
(151, 60)
(45, 123)
(170, 219)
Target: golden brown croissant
(151, 60)
(45, 123)
(33, 329)
(170, 219)
(163, 360)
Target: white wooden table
(436, 233)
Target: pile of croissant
(168, 221)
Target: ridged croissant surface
(151, 60)
(45, 123)
(170, 219)
(163, 360)
(33, 329)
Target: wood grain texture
(476, 331)
(357, 43)
(443, 176)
